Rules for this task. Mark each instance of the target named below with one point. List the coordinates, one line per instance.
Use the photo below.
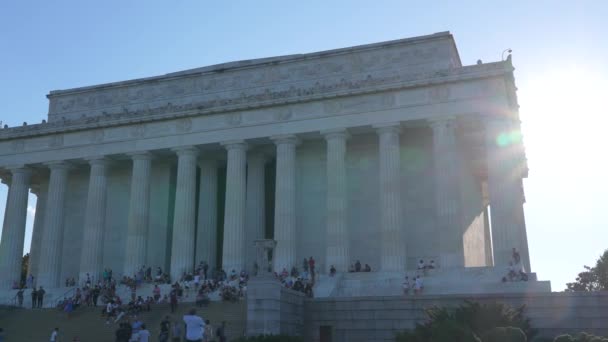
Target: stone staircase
(87, 324)
(472, 280)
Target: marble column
(37, 230)
(233, 252)
(206, 235)
(285, 203)
(184, 218)
(139, 208)
(13, 230)
(504, 158)
(393, 251)
(255, 223)
(337, 240)
(448, 197)
(91, 260)
(49, 267)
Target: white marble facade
(384, 153)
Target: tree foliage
(269, 338)
(582, 337)
(593, 278)
(468, 323)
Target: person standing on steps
(194, 326)
(165, 326)
(176, 332)
(34, 297)
(55, 335)
(144, 334)
(20, 297)
(221, 332)
(41, 293)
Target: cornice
(368, 85)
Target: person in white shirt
(144, 334)
(54, 335)
(194, 326)
(418, 285)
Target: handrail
(60, 298)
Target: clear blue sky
(560, 51)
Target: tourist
(194, 326)
(418, 285)
(54, 335)
(34, 297)
(176, 332)
(221, 332)
(20, 297)
(406, 286)
(208, 334)
(165, 326)
(421, 265)
(511, 271)
(156, 293)
(29, 283)
(357, 266)
(40, 296)
(311, 267)
(197, 280)
(205, 269)
(143, 334)
(123, 333)
(431, 266)
(305, 265)
(515, 257)
(367, 268)
(332, 271)
(173, 298)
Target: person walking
(176, 332)
(221, 332)
(165, 326)
(194, 326)
(55, 335)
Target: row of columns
(245, 203)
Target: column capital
(59, 165)
(392, 127)
(234, 144)
(97, 160)
(140, 155)
(285, 139)
(186, 151)
(20, 169)
(441, 121)
(336, 133)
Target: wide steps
(87, 324)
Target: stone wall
(273, 309)
(369, 319)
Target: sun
(563, 114)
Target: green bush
(270, 338)
(467, 322)
(582, 337)
(504, 334)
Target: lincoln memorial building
(386, 153)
